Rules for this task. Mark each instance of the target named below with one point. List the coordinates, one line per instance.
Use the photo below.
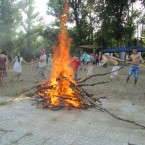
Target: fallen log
(99, 83)
(97, 75)
(110, 113)
(103, 109)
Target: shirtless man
(135, 57)
(116, 66)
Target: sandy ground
(126, 101)
(114, 91)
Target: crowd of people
(86, 62)
(37, 65)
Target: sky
(41, 7)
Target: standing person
(92, 58)
(85, 57)
(97, 59)
(17, 67)
(81, 65)
(89, 69)
(42, 65)
(135, 57)
(75, 65)
(88, 59)
(116, 66)
(3, 65)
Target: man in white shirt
(42, 65)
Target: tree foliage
(9, 18)
(82, 32)
(28, 23)
(20, 26)
(104, 23)
(116, 19)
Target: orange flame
(62, 89)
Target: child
(75, 65)
(89, 69)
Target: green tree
(115, 20)
(82, 32)
(9, 17)
(28, 23)
(129, 28)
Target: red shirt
(97, 57)
(75, 64)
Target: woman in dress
(3, 65)
(17, 67)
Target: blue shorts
(135, 69)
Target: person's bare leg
(1, 80)
(18, 76)
(111, 78)
(13, 77)
(127, 79)
(135, 82)
(117, 78)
